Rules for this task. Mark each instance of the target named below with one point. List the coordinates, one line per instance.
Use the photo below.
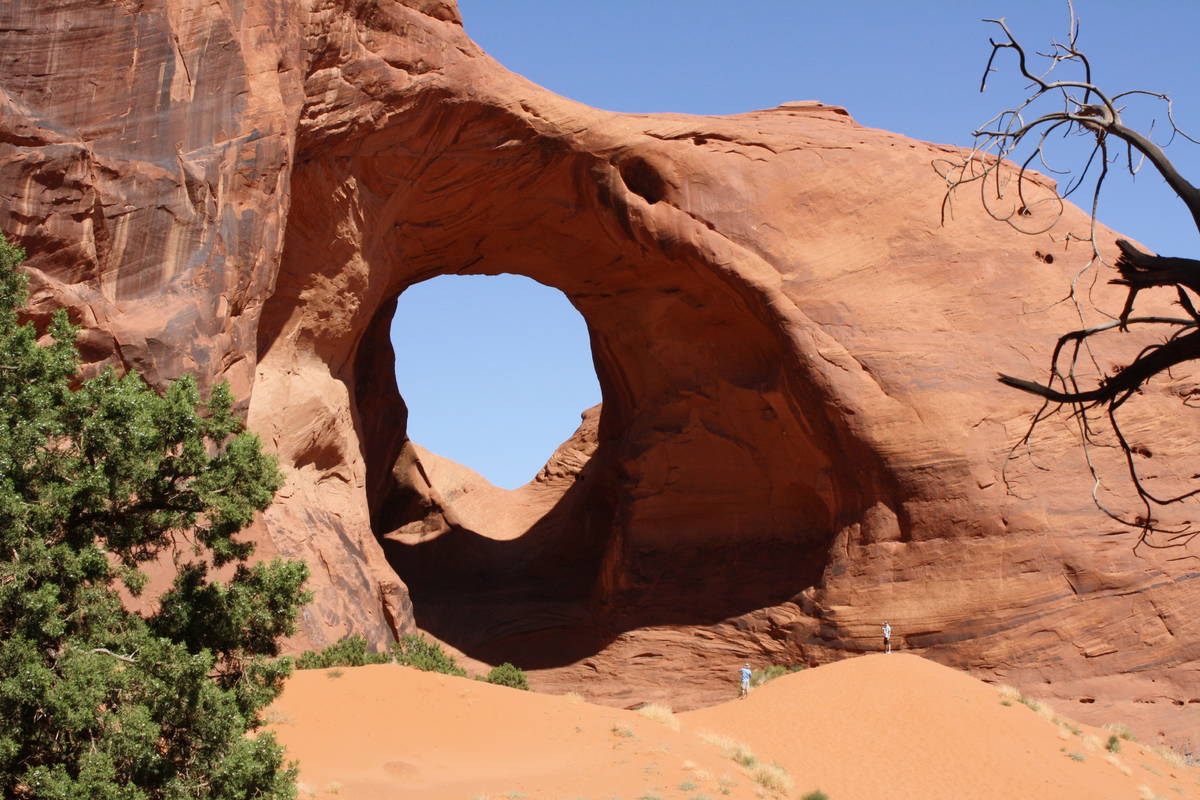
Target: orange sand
(879, 726)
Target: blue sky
(502, 381)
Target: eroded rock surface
(801, 434)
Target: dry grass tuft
(1170, 756)
(1045, 711)
(1121, 730)
(660, 714)
(774, 778)
(731, 748)
(1118, 763)
(275, 717)
(1008, 692)
(1146, 793)
(1068, 726)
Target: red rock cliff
(801, 434)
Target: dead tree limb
(1063, 100)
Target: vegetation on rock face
(97, 478)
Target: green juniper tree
(98, 477)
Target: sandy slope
(873, 727)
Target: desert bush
(414, 650)
(817, 795)
(1113, 745)
(352, 651)
(660, 714)
(508, 675)
(772, 671)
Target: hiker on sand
(887, 637)
(744, 689)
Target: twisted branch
(1078, 107)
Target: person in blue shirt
(745, 687)
(887, 637)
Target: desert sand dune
(873, 727)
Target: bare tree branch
(1006, 146)
(117, 656)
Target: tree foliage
(1063, 106)
(97, 478)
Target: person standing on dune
(887, 637)
(744, 689)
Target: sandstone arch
(707, 441)
(791, 348)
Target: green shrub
(817, 795)
(760, 676)
(352, 651)
(99, 477)
(414, 650)
(508, 675)
(1114, 744)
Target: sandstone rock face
(801, 435)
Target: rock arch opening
(495, 372)
(709, 484)
(693, 494)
